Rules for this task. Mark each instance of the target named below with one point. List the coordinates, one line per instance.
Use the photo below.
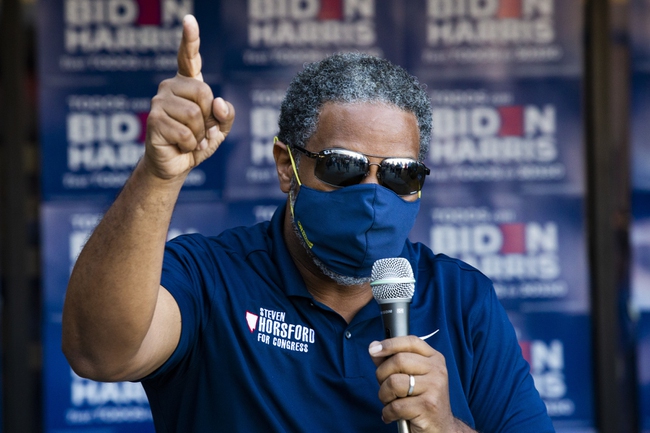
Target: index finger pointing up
(189, 58)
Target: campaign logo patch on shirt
(273, 329)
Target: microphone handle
(395, 317)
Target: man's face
(369, 128)
(372, 129)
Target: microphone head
(392, 280)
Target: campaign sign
(522, 135)
(92, 138)
(279, 36)
(496, 38)
(558, 348)
(643, 370)
(210, 219)
(247, 153)
(639, 28)
(640, 131)
(100, 42)
(100, 36)
(250, 212)
(640, 248)
(72, 403)
(532, 248)
(120, 39)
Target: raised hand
(186, 123)
(119, 322)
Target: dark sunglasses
(342, 167)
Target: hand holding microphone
(411, 374)
(393, 286)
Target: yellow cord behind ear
(293, 163)
(295, 171)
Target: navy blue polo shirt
(258, 353)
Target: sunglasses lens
(341, 168)
(402, 176)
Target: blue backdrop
(640, 224)
(506, 191)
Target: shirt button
(348, 334)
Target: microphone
(393, 286)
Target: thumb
(218, 125)
(375, 349)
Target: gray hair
(349, 78)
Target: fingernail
(212, 133)
(222, 106)
(375, 347)
(203, 144)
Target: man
(273, 327)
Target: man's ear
(283, 165)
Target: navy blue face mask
(348, 229)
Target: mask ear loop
(295, 171)
(293, 163)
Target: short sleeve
(502, 397)
(185, 264)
